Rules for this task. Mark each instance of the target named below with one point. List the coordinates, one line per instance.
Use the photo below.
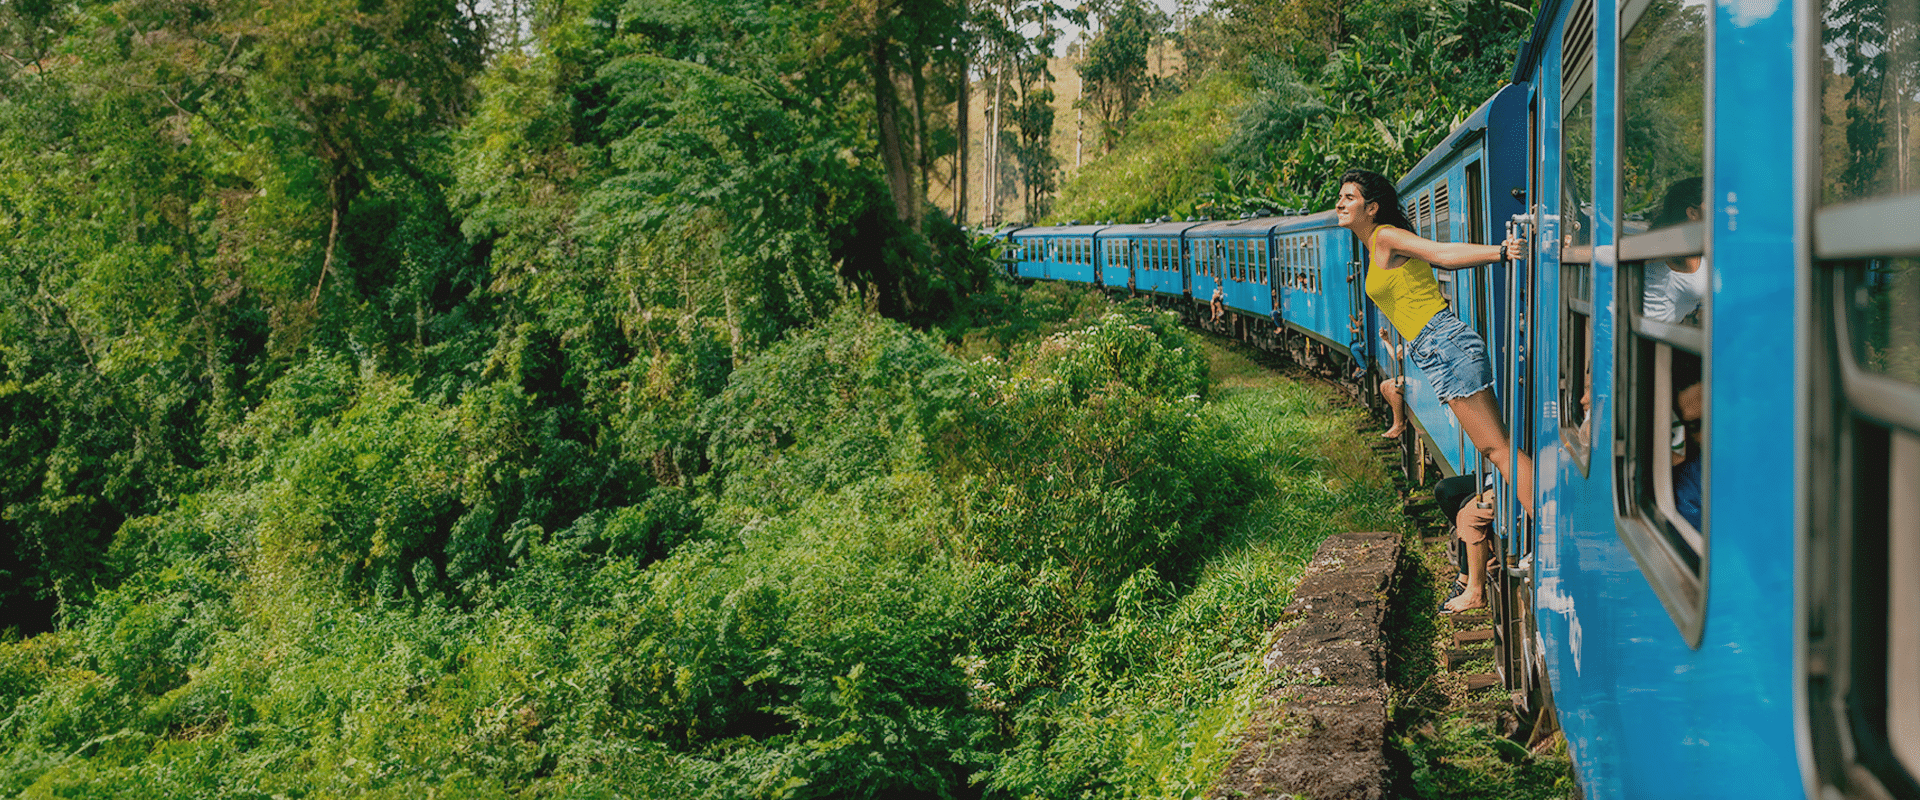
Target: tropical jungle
(603, 398)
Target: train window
(1442, 213)
(1862, 574)
(1576, 235)
(1662, 427)
(1303, 264)
(1313, 260)
(1308, 270)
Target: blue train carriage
(1145, 257)
(1464, 190)
(1315, 273)
(1233, 255)
(1725, 324)
(1058, 252)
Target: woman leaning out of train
(1400, 281)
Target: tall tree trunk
(990, 189)
(336, 194)
(893, 147)
(961, 176)
(922, 166)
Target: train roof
(1324, 219)
(1256, 226)
(1061, 230)
(1003, 232)
(1466, 133)
(1148, 229)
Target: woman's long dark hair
(1375, 188)
(1682, 195)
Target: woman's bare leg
(1390, 389)
(1480, 417)
(1475, 595)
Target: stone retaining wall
(1320, 733)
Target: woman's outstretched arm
(1442, 255)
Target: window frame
(1642, 412)
(1576, 313)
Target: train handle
(1516, 226)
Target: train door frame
(1273, 283)
(1186, 270)
(1133, 266)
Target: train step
(1481, 680)
(1458, 656)
(1472, 637)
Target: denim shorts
(1452, 356)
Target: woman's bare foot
(1394, 432)
(1467, 601)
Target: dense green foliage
(1168, 159)
(576, 234)
(903, 571)
(1333, 84)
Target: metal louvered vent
(1576, 54)
(1442, 213)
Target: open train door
(1507, 299)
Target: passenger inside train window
(1400, 281)
(1688, 410)
(1672, 289)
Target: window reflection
(1664, 87)
(1870, 115)
(1576, 178)
(1886, 311)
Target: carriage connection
(1712, 354)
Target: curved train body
(1713, 355)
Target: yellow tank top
(1409, 296)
